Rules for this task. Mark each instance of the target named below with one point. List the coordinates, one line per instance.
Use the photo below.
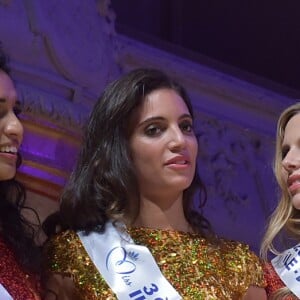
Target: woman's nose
(292, 160)
(177, 139)
(13, 127)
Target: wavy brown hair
(103, 185)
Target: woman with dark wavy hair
(19, 257)
(131, 227)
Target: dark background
(258, 41)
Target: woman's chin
(296, 201)
(7, 173)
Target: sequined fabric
(195, 268)
(274, 283)
(18, 284)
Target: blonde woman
(283, 273)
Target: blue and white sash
(4, 295)
(130, 270)
(287, 266)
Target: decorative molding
(59, 112)
(80, 50)
(235, 165)
(61, 65)
(105, 11)
(57, 41)
(231, 160)
(49, 151)
(212, 92)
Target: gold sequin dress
(195, 268)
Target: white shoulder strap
(129, 269)
(4, 295)
(287, 266)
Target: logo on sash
(129, 269)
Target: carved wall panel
(63, 53)
(236, 127)
(236, 166)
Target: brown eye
(187, 126)
(153, 130)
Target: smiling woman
(20, 258)
(130, 227)
(11, 130)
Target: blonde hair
(285, 217)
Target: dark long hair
(15, 230)
(103, 183)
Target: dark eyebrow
(184, 116)
(152, 119)
(2, 100)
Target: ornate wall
(63, 53)
(236, 123)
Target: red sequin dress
(18, 283)
(197, 269)
(274, 283)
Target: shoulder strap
(287, 266)
(129, 269)
(4, 295)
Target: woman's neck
(162, 214)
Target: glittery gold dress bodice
(195, 268)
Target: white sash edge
(4, 295)
(287, 266)
(129, 269)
